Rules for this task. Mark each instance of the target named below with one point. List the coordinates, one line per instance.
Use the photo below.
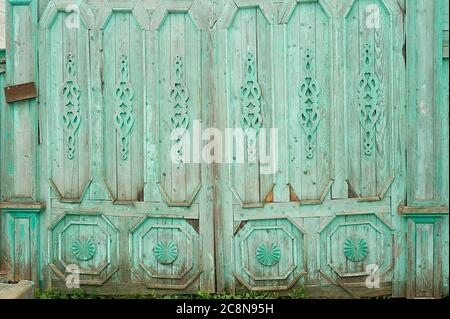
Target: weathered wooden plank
(20, 92)
(424, 102)
(21, 50)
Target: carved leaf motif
(355, 250)
(124, 108)
(71, 106)
(250, 97)
(166, 252)
(84, 250)
(268, 256)
(310, 113)
(179, 96)
(369, 100)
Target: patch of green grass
(82, 294)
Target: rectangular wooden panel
(20, 244)
(21, 117)
(20, 92)
(425, 102)
(424, 263)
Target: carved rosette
(369, 92)
(179, 96)
(310, 113)
(166, 252)
(251, 118)
(355, 249)
(124, 108)
(71, 106)
(84, 249)
(268, 256)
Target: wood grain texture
(361, 109)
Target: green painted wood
(112, 89)
(425, 103)
(20, 117)
(424, 257)
(20, 244)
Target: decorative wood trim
(405, 210)
(20, 92)
(23, 206)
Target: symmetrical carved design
(369, 99)
(250, 97)
(174, 244)
(260, 265)
(71, 106)
(166, 252)
(84, 249)
(344, 242)
(268, 256)
(179, 96)
(310, 113)
(124, 108)
(355, 250)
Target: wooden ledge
(430, 210)
(24, 206)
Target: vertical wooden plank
(312, 225)
(22, 249)
(97, 190)
(424, 265)
(21, 20)
(307, 42)
(264, 65)
(399, 140)
(338, 110)
(163, 69)
(194, 64)
(324, 76)
(207, 197)
(366, 182)
(424, 61)
(108, 83)
(223, 220)
(177, 49)
(281, 188)
(3, 135)
(249, 44)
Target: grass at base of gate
(82, 294)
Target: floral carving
(355, 250)
(179, 96)
(124, 108)
(310, 113)
(71, 106)
(166, 252)
(369, 92)
(268, 256)
(251, 118)
(84, 249)
(250, 97)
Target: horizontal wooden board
(20, 92)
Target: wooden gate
(348, 100)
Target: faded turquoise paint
(362, 176)
(20, 244)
